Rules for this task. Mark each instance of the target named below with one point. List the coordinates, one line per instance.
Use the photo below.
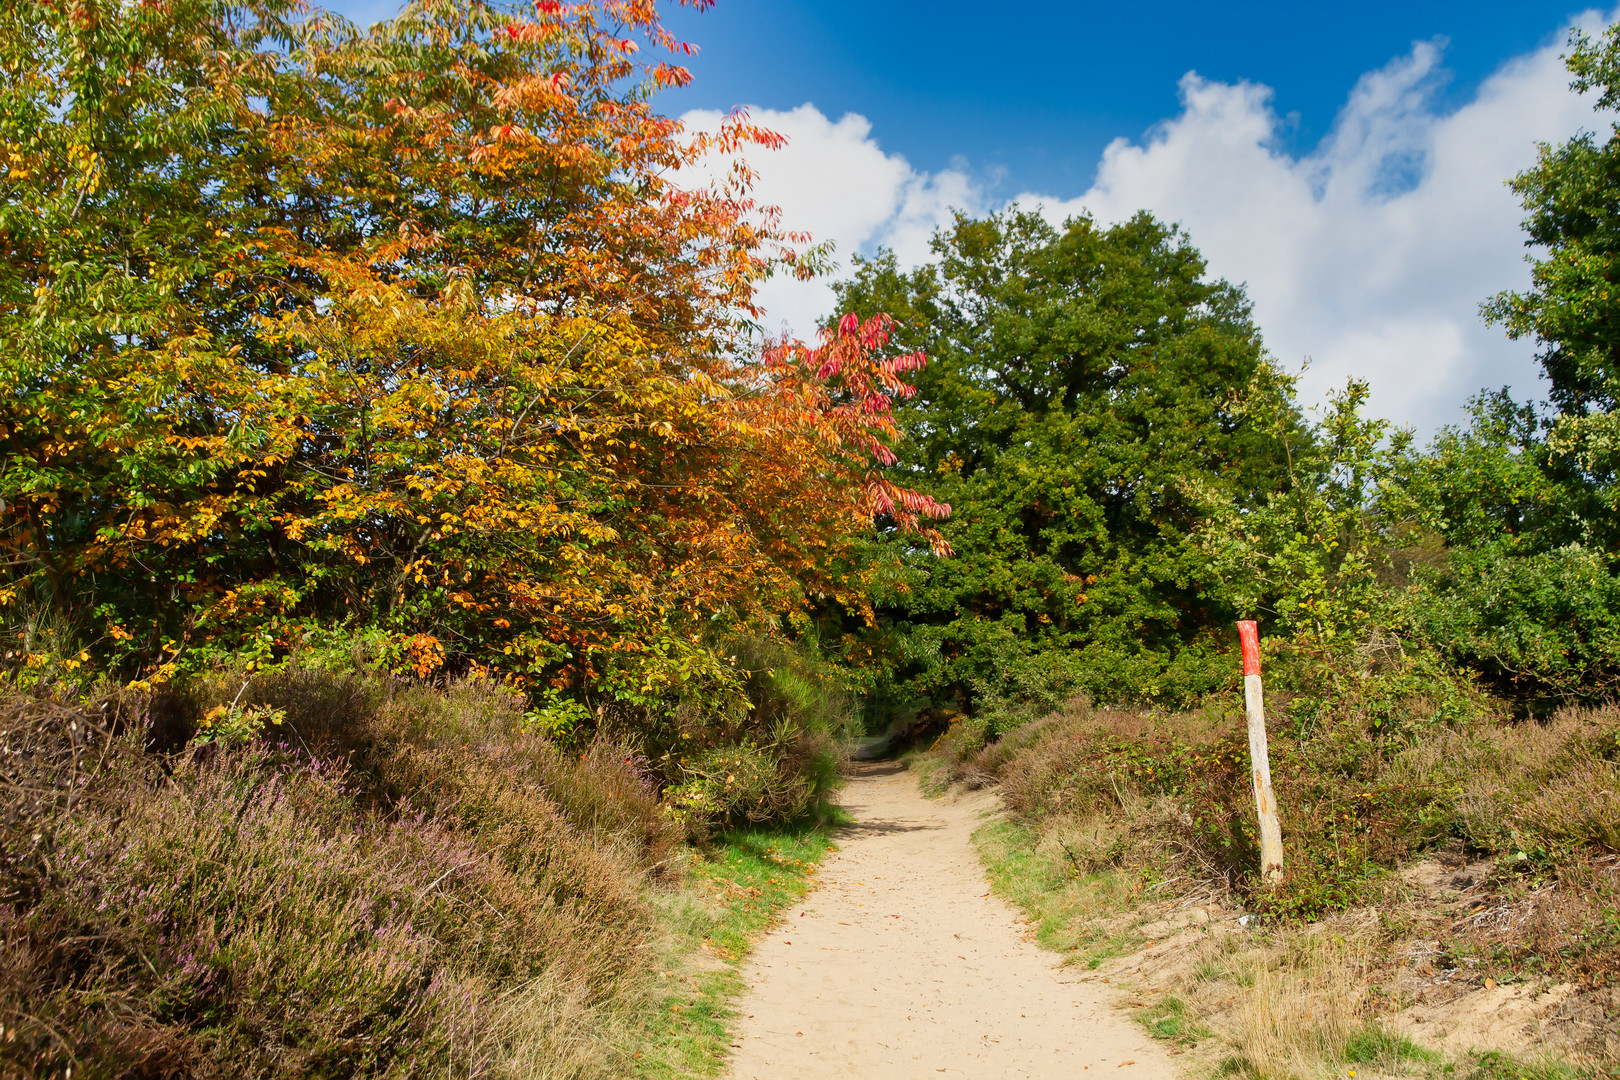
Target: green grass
(1061, 902)
(1377, 1045)
(732, 895)
(1495, 1066)
(1168, 1021)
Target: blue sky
(1346, 163)
(1039, 88)
(1028, 95)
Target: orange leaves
(425, 654)
(668, 75)
(546, 91)
(479, 380)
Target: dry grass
(1425, 869)
(1306, 1009)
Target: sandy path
(902, 965)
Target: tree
(1572, 196)
(407, 329)
(1081, 382)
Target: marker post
(1271, 848)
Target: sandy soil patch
(902, 965)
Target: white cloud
(834, 181)
(1370, 254)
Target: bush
(393, 881)
(1540, 625)
(770, 754)
(1357, 798)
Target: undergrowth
(314, 874)
(1118, 821)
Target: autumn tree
(406, 328)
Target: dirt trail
(902, 965)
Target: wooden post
(1271, 847)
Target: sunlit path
(902, 965)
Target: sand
(901, 964)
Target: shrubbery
(352, 873)
(1360, 795)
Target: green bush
(1544, 624)
(763, 745)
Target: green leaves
(1572, 198)
(1305, 556)
(1082, 381)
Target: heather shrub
(391, 882)
(1358, 796)
(404, 740)
(1541, 790)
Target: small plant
(562, 719)
(1170, 1022)
(1375, 1044)
(236, 724)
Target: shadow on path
(890, 825)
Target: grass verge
(733, 893)
(1065, 904)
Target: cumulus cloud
(834, 181)
(1369, 255)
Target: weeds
(1169, 1021)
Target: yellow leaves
(426, 654)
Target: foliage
(1305, 556)
(1498, 549)
(406, 328)
(454, 900)
(1080, 380)
(1357, 801)
(772, 753)
(1572, 196)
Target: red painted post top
(1249, 635)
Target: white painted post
(1271, 847)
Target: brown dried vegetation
(1442, 862)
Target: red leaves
(851, 393)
